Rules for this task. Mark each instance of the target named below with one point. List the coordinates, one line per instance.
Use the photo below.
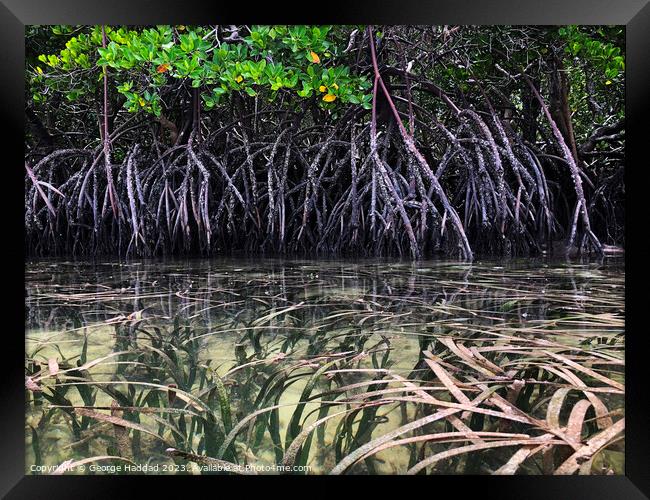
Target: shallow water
(326, 324)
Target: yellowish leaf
(335, 86)
(142, 102)
(329, 97)
(322, 88)
(40, 70)
(314, 57)
(608, 82)
(239, 79)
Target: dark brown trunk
(170, 127)
(559, 106)
(531, 112)
(45, 141)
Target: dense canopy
(368, 140)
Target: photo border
(634, 14)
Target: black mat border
(635, 14)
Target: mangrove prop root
(350, 185)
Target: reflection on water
(236, 359)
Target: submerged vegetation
(321, 140)
(329, 367)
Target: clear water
(176, 325)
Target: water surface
(173, 342)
